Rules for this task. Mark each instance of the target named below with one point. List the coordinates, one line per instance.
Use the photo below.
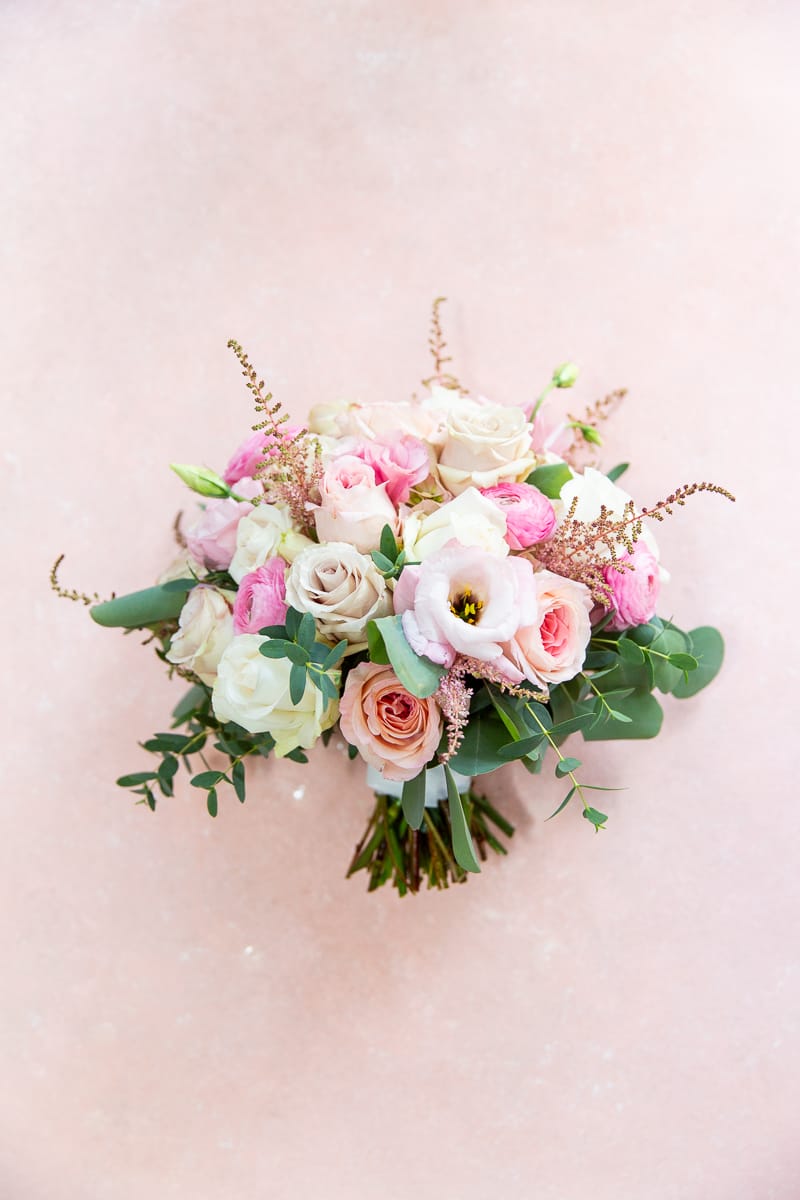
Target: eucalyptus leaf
(140, 609)
(708, 648)
(297, 682)
(617, 471)
(645, 716)
(463, 847)
(413, 800)
(565, 765)
(479, 750)
(417, 674)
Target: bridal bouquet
(448, 581)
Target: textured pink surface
(206, 1009)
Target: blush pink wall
(207, 1009)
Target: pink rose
(400, 464)
(530, 517)
(635, 588)
(261, 599)
(395, 732)
(550, 434)
(252, 452)
(552, 647)
(354, 506)
(212, 538)
(464, 601)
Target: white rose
(470, 519)
(594, 490)
(341, 588)
(485, 444)
(266, 531)
(205, 630)
(253, 691)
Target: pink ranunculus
(212, 538)
(552, 647)
(251, 453)
(464, 601)
(634, 587)
(261, 599)
(394, 731)
(400, 464)
(530, 517)
(354, 506)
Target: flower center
(465, 607)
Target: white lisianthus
(593, 491)
(253, 691)
(470, 519)
(266, 531)
(485, 444)
(205, 630)
(340, 587)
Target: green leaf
(684, 662)
(388, 544)
(166, 774)
(645, 717)
(335, 656)
(520, 748)
(377, 650)
(418, 675)
(616, 715)
(479, 751)
(630, 652)
(669, 641)
(296, 654)
(383, 563)
(413, 798)
(274, 631)
(598, 819)
(307, 631)
(238, 777)
(126, 781)
(297, 683)
(463, 847)
(293, 618)
(563, 803)
(172, 742)
(196, 698)
(207, 779)
(150, 798)
(565, 765)
(297, 755)
(708, 648)
(148, 607)
(550, 479)
(276, 648)
(617, 471)
(573, 725)
(211, 802)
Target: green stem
(561, 756)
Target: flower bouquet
(450, 582)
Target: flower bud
(565, 375)
(202, 480)
(590, 434)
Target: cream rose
(205, 629)
(470, 519)
(423, 418)
(340, 587)
(485, 444)
(265, 532)
(253, 691)
(553, 647)
(395, 732)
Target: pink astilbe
(453, 697)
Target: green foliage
(140, 610)
(312, 661)
(418, 674)
(550, 479)
(390, 559)
(618, 471)
(413, 800)
(708, 648)
(463, 845)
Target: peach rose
(395, 732)
(552, 649)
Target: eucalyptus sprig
(390, 559)
(311, 660)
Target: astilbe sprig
(291, 466)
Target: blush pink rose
(464, 601)
(212, 538)
(400, 464)
(252, 452)
(530, 517)
(354, 506)
(395, 732)
(552, 647)
(635, 588)
(261, 599)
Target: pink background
(204, 1009)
